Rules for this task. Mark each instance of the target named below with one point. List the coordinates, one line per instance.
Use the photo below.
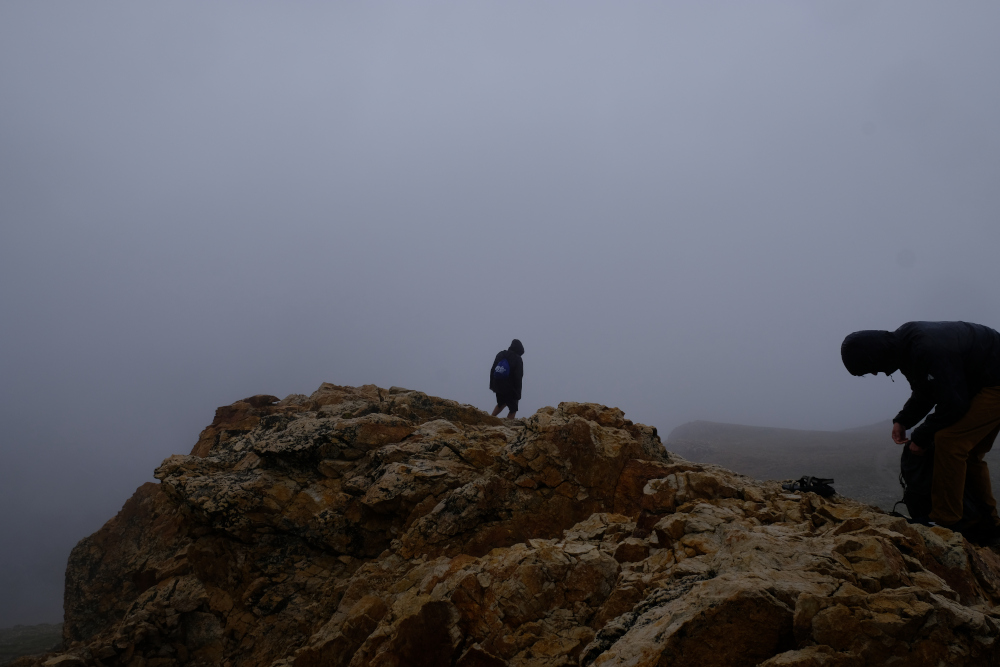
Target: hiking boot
(922, 520)
(989, 537)
(976, 531)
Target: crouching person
(954, 369)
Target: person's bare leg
(498, 408)
(510, 415)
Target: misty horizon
(680, 211)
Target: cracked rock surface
(365, 526)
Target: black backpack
(916, 474)
(501, 372)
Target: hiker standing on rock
(953, 367)
(505, 378)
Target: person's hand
(899, 434)
(915, 449)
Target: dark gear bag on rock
(820, 485)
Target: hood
(516, 347)
(866, 352)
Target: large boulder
(368, 526)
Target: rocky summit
(367, 526)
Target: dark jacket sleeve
(916, 408)
(516, 373)
(938, 379)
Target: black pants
(507, 398)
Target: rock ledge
(368, 526)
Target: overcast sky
(680, 208)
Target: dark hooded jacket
(513, 356)
(946, 364)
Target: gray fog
(680, 208)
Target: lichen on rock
(367, 526)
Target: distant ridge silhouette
(863, 460)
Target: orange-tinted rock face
(235, 420)
(365, 526)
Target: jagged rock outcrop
(364, 526)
